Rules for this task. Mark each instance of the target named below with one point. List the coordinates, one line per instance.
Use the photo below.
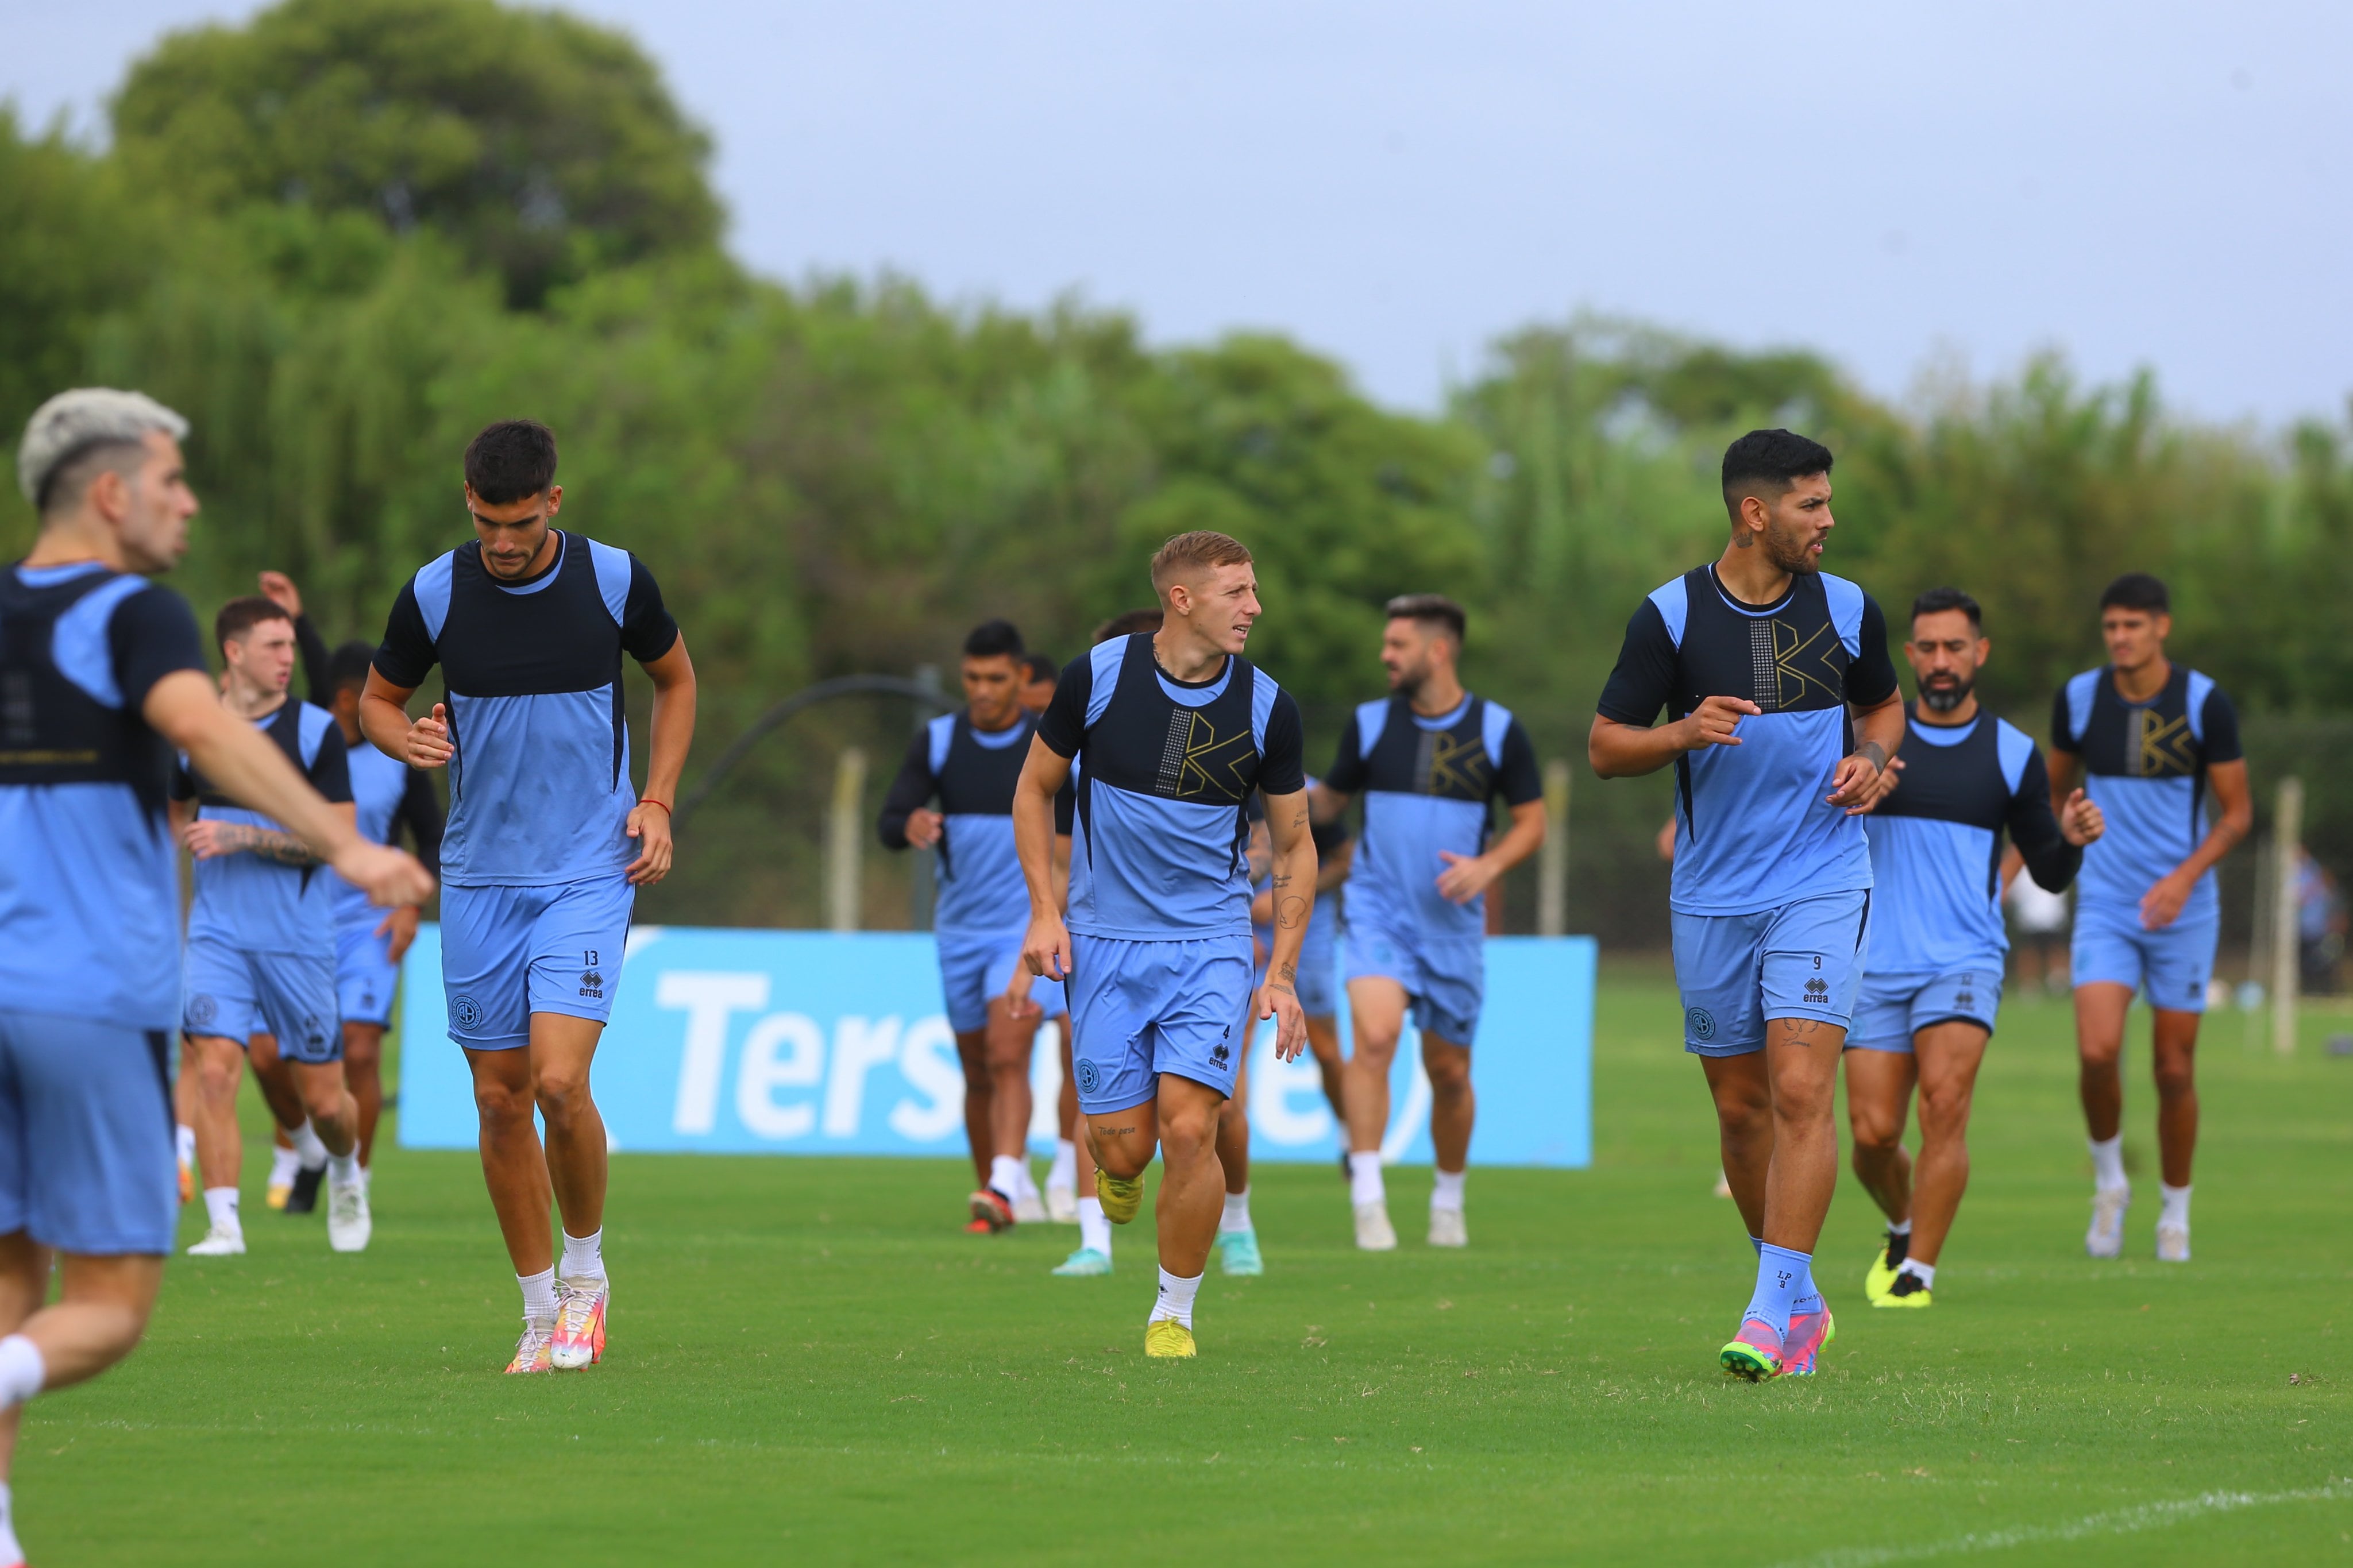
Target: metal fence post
(2287, 841)
(1552, 870)
(844, 838)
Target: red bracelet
(663, 804)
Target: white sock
(283, 1163)
(9, 1551)
(1028, 1182)
(22, 1371)
(1176, 1294)
(1365, 1185)
(1065, 1173)
(2174, 1205)
(539, 1294)
(2108, 1163)
(1237, 1215)
(343, 1170)
(1899, 1227)
(220, 1208)
(184, 1138)
(583, 1256)
(1446, 1190)
(307, 1145)
(1004, 1175)
(1925, 1272)
(1094, 1229)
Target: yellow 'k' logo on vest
(2165, 747)
(1457, 768)
(1792, 656)
(1206, 765)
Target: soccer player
(105, 676)
(1933, 982)
(1430, 760)
(1172, 731)
(2145, 737)
(1783, 712)
(1319, 960)
(1062, 1178)
(547, 844)
(969, 762)
(262, 941)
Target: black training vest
(1961, 782)
(495, 642)
(1146, 742)
(51, 731)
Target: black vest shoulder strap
(52, 731)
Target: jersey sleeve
(647, 632)
(331, 770)
(2221, 723)
(2062, 738)
(913, 786)
(150, 635)
(1347, 772)
(1643, 680)
(406, 653)
(1283, 766)
(2051, 861)
(1871, 679)
(1517, 778)
(1064, 725)
(420, 810)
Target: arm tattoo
(1876, 751)
(1290, 912)
(281, 847)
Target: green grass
(811, 1364)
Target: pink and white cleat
(579, 1323)
(531, 1349)
(1808, 1332)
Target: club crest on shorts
(465, 1011)
(202, 1009)
(1090, 1077)
(1701, 1023)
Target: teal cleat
(1083, 1264)
(1238, 1252)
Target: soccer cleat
(979, 1227)
(579, 1333)
(2106, 1236)
(1755, 1353)
(1167, 1336)
(989, 1207)
(303, 1197)
(1062, 1204)
(1906, 1291)
(1808, 1332)
(349, 1223)
(1878, 1277)
(1238, 1253)
(1086, 1263)
(533, 1350)
(2172, 1243)
(1030, 1209)
(1447, 1228)
(276, 1193)
(187, 1184)
(1374, 1231)
(219, 1242)
(1121, 1196)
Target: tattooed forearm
(1876, 751)
(270, 845)
(1290, 912)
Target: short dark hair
(991, 638)
(1431, 609)
(2137, 591)
(1127, 622)
(349, 665)
(512, 460)
(1937, 601)
(239, 617)
(1775, 458)
(1038, 667)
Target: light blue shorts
(1319, 960)
(508, 952)
(86, 1160)
(1139, 1009)
(974, 967)
(1892, 1008)
(366, 979)
(2170, 967)
(1445, 976)
(1736, 972)
(237, 994)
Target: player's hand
(1712, 722)
(209, 840)
(1465, 877)
(1046, 951)
(401, 922)
(428, 740)
(648, 824)
(925, 827)
(279, 590)
(1277, 1001)
(387, 875)
(1855, 785)
(1017, 1006)
(2161, 905)
(1889, 777)
(2079, 822)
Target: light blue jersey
(2145, 766)
(251, 903)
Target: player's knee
(1187, 1131)
(1448, 1078)
(561, 1093)
(2176, 1075)
(1875, 1138)
(501, 1105)
(216, 1073)
(1944, 1112)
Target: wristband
(663, 804)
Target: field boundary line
(2116, 1521)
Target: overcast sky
(1395, 183)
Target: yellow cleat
(1878, 1277)
(278, 1194)
(1167, 1336)
(1121, 1197)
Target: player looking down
(1938, 948)
(1171, 732)
(2145, 737)
(1783, 712)
(547, 844)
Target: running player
(1174, 731)
(261, 943)
(2145, 737)
(529, 623)
(1767, 666)
(105, 675)
(1933, 983)
(1430, 760)
(969, 762)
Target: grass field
(809, 1363)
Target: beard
(1791, 551)
(1944, 698)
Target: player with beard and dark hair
(1932, 983)
(1783, 712)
